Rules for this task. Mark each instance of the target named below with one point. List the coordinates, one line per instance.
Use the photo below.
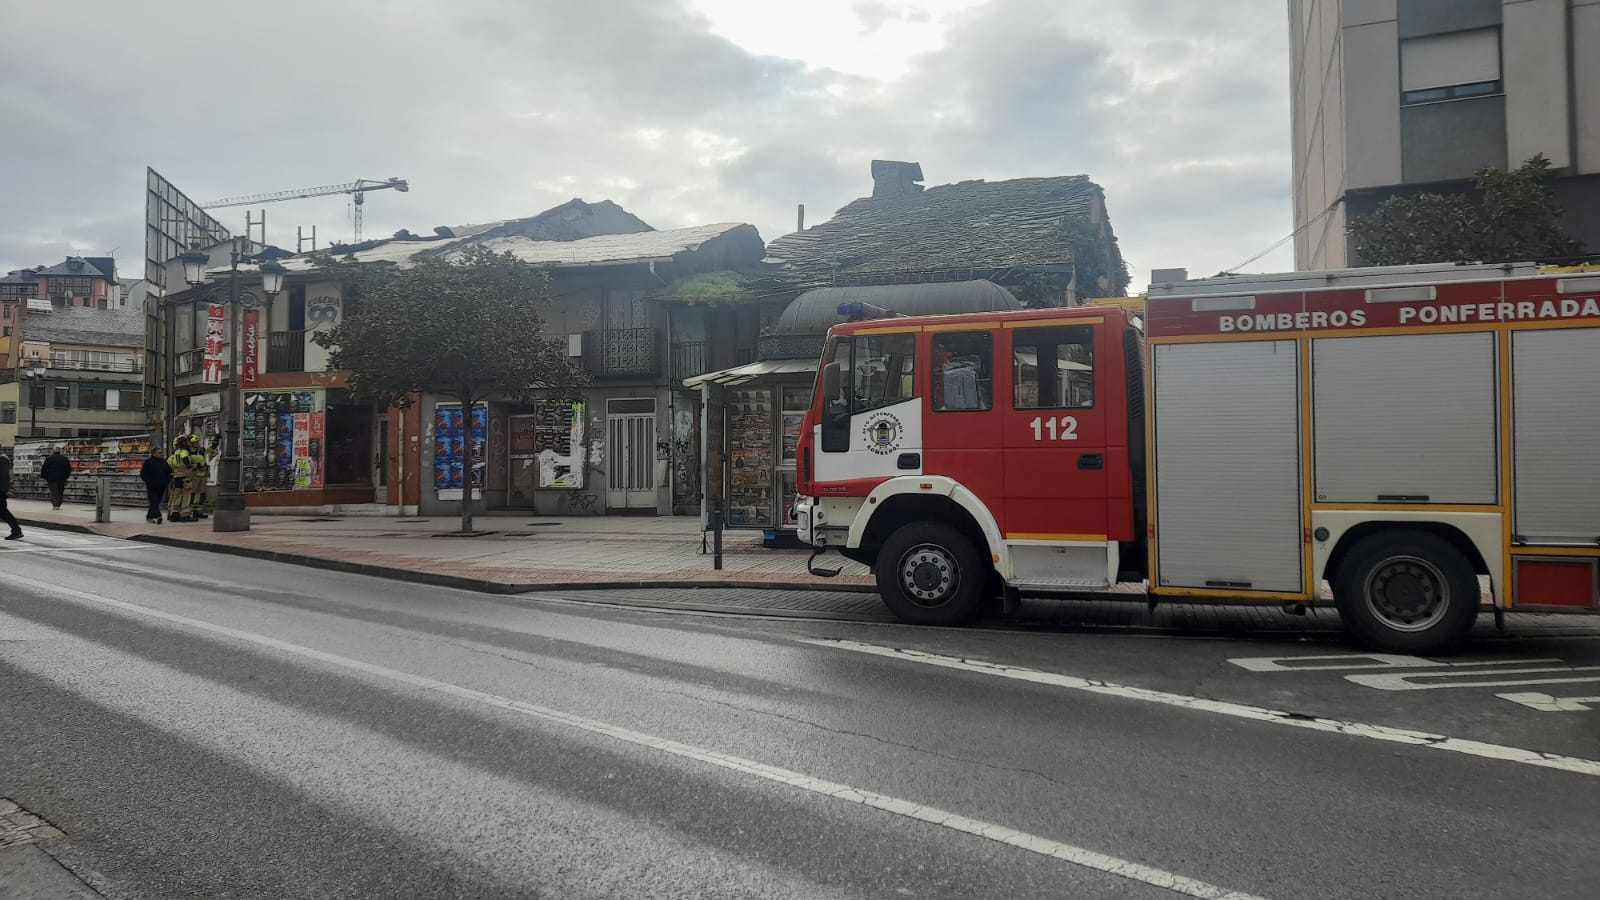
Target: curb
(458, 582)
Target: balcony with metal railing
(689, 358)
(622, 352)
(127, 366)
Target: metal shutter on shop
(1555, 416)
(1405, 416)
(1228, 465)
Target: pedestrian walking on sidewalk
(156, 474)
(55, 470)
(5, 488)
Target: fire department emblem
(882, 433)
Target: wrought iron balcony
(622, 352)
(689, 358)
(131, 366)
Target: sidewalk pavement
(512, 555)
(657, 561)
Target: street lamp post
(231, 514)
(35, 375)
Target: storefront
(537, 456)
(754, 413)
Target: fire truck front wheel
(1406, 591)
(931, 574)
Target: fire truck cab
(1398, 433)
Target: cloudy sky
(684, 111)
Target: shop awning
(752, 371)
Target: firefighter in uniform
(183, 476)
(200, 456)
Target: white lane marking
(31, 549)
(1235, 710)
(1079, 856)
(1338, 661)
(1461, 679)
(1547, 703)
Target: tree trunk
(471, 465)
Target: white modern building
(1401, 96)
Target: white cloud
(718, 110)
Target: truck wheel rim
(929, 575)
(1408, 593)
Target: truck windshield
(883, 370)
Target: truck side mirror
(830, 383)
(835, 411)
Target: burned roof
(117, 327)
(600, 250)
(970, 225)
(815, 311)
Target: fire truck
(1418, 438)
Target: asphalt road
(201, 726)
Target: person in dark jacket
(55, 470)
(157, 477)
(5, 488)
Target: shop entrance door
(631, 454)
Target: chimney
(895, 179)
(800, 218)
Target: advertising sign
(282, 438)
(450, 435)
(250, 365)
(211, 369)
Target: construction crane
(357, 188)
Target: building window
(91, 397)
(963, 371)
(8, 413)
(1054, 367)
(1450, 66)
(8, 313)
(62, 396)
(59, 286)
(36, 398)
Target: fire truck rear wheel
(1407, 591)
(931, 574)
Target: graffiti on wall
(685, 456)
(322, 313)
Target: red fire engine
(1396, 432)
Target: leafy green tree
(468, 329)
(1516, 217)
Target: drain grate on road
(18, 826)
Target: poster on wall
(750, 462)
(450, 436)
(558, 442)
(211, 366)
(281, 440)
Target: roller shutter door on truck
(1555, 416)
(1228, 466)
(1405, 419)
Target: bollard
(102, 499)
(716, 540)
